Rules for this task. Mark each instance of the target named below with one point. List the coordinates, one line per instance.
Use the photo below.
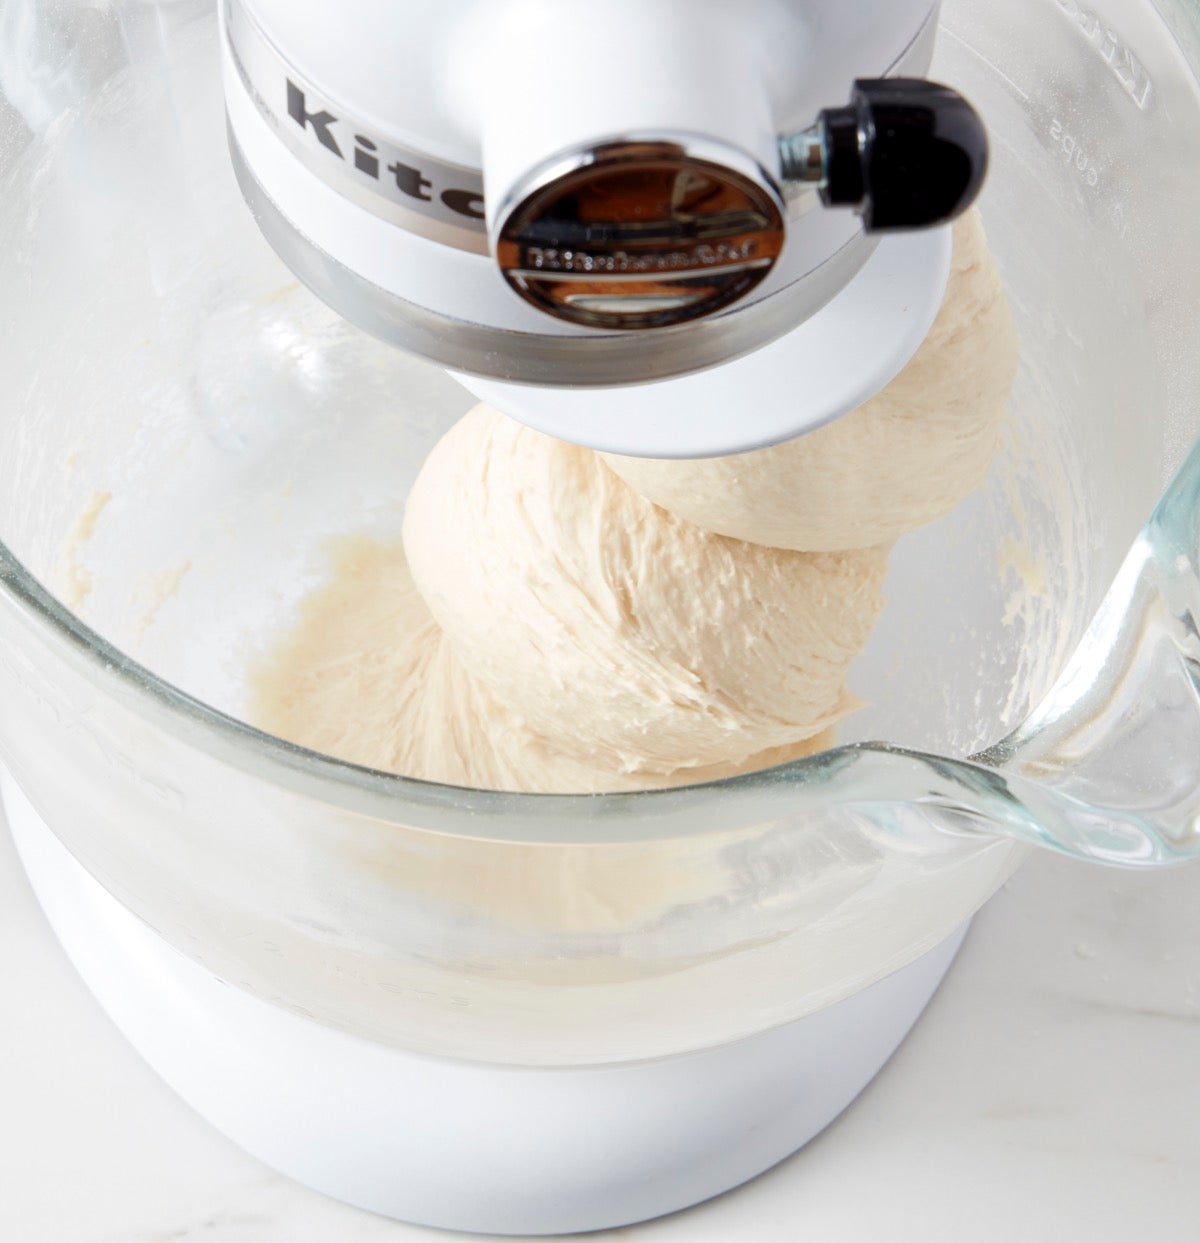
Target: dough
(641, 644)
(558, 630)
(368, 676)
(905, 458)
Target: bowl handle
(1107, 767)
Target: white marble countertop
(1051, 1092)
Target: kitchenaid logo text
(372, 162)
(706, 255)
(1128, 70)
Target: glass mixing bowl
(184, 429)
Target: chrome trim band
(598, 359)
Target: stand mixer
(649, 231)
(530, 1014)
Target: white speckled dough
(641, 644)
(902, 460)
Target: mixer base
(467, 1145)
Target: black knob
(907, 153)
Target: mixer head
(682, 251)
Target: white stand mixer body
(365, 145)
(458, 1144)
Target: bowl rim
(593, 818)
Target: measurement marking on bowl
(1085, 165)
(1075, 153)
(1117, 54)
